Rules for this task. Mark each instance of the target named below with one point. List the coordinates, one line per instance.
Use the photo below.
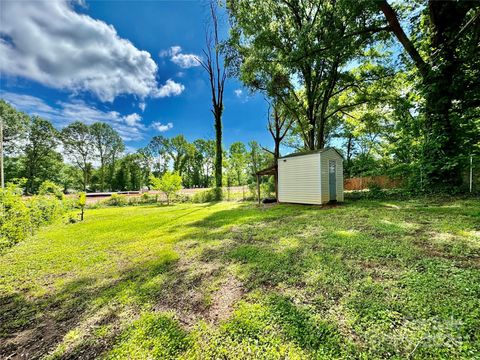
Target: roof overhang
(272, 170)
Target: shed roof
(312, 152)
(268, 171)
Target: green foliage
(50, 188)
(15, 220)
(116, 200)
(82, 199)
(40, 161)
(169, 183)
(15, 124)
(131, 173)
(20, 217)
(210, 195)
(108, 145)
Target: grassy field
(366, 279)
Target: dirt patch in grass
(224, 299)
(33, 343)
(186, 291)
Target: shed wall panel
(299, 179)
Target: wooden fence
(361, 183)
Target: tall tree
(130, 174)
(13, 124)
(78, 144)
(177, 149)
(206, 151)
(279, 123)
(41, 161)
(237, 154)
(108, 144)
(157, 151)
(302, 50)
(445, 54)
(217, 75)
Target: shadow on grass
(273, 248)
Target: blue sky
(128, 63)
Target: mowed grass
(366, 279)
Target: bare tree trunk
(217, 76)
(218, 149)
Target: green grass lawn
(367, 279)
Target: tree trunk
(441, 145)
(85, 175)
(441, 148)
(218, 148)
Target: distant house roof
(312, 152)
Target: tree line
(93, 158)
(396, 97)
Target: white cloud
(142, 106)
(157, 125)
(132, 119)
(238, 92)
(48, 42)
(185, 61)
(129, 127)
(171, 88)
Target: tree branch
(397, 29)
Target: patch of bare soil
(224, 299)
(184, 294)
(189, 293)
(32, 343)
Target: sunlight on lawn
(212, 280)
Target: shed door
(332, 179)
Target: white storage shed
(314, 177)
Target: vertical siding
(325, 157)
(299, 179)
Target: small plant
(71, 219)
(169, 184)
(82, 201)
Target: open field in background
(365, 279)
(235, 191)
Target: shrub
(181, 198)
(117, 200)
(20, 217)
(375, 190)
(169, 184)
(15, 221)
(44, 209)
(147, 199)
(50, 188)
(210, 195)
